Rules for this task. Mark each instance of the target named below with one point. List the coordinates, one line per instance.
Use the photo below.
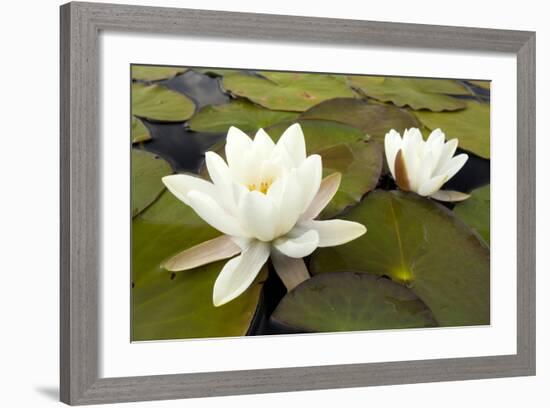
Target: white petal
(239, 273)
(455, 165)
(222, 179)
(292, 140)
(310, 173)
(262, 145)
(289, 202)
(207, 252)
(445, 156)
(336, 232)
(450, 196)
(430, 186)
(181, 184)
(299, 246)
(329, 187)
(258, 214)
(211, 212)
(292, 271)
(237, 142)
(392, 144)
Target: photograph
(271, 202)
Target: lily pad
(481, 84)
(371, 118)
(154, 73)
(147, 171)
(343, 149)
(475, 212)
(347, 301)
(422, 245)
(470, 126)
(179, 306)
(418, 93)
(240, 113)
(287, 91)
(360, 164)
(140, 133)
(157, 102)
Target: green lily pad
(347, 301)
(482, 84)
(475, 212)
(418, 93)
(147, 171)
(160, 103)
(343, 149)
(179, 306)
(371, 118)
(420, 244)
(240, 113)
(140, 133)
(154, 73)
(360, 164)
(470, 126)
(287, 91)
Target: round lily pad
(475, 211)
(371, 118)
(147, 171)
(157, 102)
(154, 73)
(169, 306)
(240, 113)
(287, 91)
(423, 246)
(471, 126)
(347, 301)
(343, 149)
(140, 133)
(417, 93)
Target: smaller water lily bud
(424, 166)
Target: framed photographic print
(242, 193)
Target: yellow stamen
(263, 187)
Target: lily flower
(424, 166)
(264, 200)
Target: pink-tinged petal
(327, 190)
(335, 232)
(450, 196)
(239, 273)
(207, 252)
(292, 271)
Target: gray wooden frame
(80, 234)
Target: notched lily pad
(240, 113)
(470, 126)
(157, 102)
(417, 93)
(287, 91)
(475, 212)
(347, 301)
(179, 306)
(423, 246)
(147, 171)
(371, 118)
(140, 133)
(154, 73)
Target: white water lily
(424, 166)
(264, 200)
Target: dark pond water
(184, 150)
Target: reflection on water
(202, 89)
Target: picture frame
(81, 24)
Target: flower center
(262, 186)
